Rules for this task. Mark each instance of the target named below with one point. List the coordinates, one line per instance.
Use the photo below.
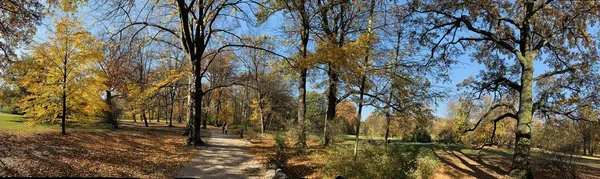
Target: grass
(16, 124)
(506, 153)
(363, 137)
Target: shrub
(421, 135)
(280, 159)
(395, 161)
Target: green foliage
(280, 159)
(315, 111)
(395, 161)
(279, 142)
(421, 134)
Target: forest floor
(133, 151)
(456, 161)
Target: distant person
(223, 128)
(226, 125)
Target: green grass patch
(16, 124)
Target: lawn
(15, 124)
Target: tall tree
(197, 25)
(552, 32)
(64, 81)
(301, 11)
(362, 88)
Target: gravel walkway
(225, 156)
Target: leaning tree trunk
(521, 159)
(364, 77)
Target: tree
(298, 10)
(64, 81)
(346, 111)
(19, 19)
(198, 26)
(362, 88)
(337, 22)
(494, 32)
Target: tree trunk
(190, 107)
(388, 119)
(521, 159)
(358, 116)
(302, 108)
(173, 94)
(194, 138)
(110, 118)
(331, 102)
(364, 77)
(64, 112)
(260, 113)
(158, 111)
(144, 117)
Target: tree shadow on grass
(473, 170)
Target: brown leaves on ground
(132, 151)
(306, 164)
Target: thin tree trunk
(64, 98)
(64, 110)
(388, 117)
(302, 108)
(364, 77)
(144, 117)
(173, 94)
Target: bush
(421, 135)
(395, 161)
(280, 159)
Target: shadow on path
(224, 156)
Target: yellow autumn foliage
(64, 65)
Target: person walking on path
(226, 128)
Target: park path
(224, 157)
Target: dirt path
(225, 156)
